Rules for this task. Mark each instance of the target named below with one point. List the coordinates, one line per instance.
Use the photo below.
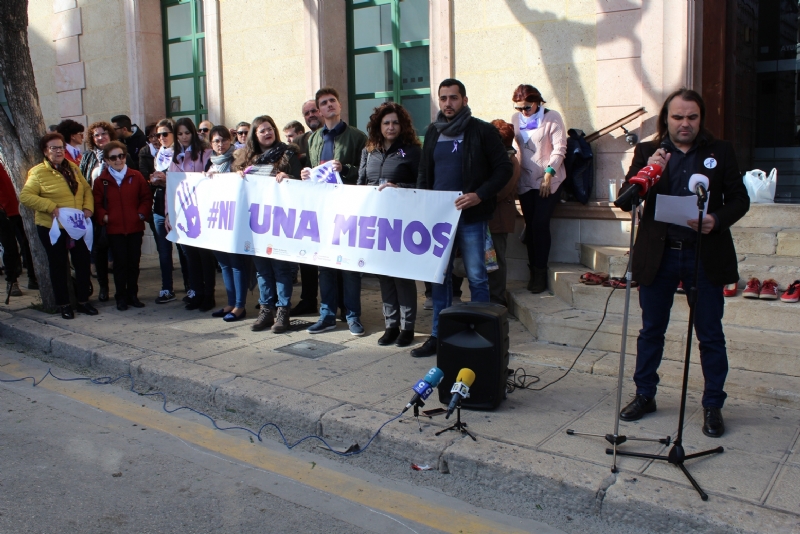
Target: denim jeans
(164, 247)
(274, 281)
(656, 303)
(329, 294)
(470, 239)
(235, 276)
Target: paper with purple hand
(75, 223)
(325, 174)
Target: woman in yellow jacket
(53, 184)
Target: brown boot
(281, 320)
(264, 321)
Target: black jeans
(537, 212)
(126, 249)
(202, 267)
(308, 277)
(99, 256)
(59, 266)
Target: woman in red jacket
(123, 203)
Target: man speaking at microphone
(664, 253)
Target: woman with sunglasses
(264, 147)
(123, 201)
(541, 141)
(241, 131)
(235, 267)
(160, 146)
(54, 184)
(191, 155)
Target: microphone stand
(616, 439)
(458, 426)
(677, 456)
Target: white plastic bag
(760, 187)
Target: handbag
(101, 240)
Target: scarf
(153, 150)
(98, 154)
(528, 124)
(163, 158)
(66, 171)
(181, 157)
(223, 161)
(455, 126)
(118, 175)
(273, 155)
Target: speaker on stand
(474, 335)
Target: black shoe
(389, 336)
(190, 295)
(86, 308)
(220, 313)
(135, 302)
(103, 295)
(207, 305)
(713, 425)
(194, 304)
(405, 338)
(637, 408)
(66, 312)
(303, 307)
(427, 349)
(122, 304)
(33, 283)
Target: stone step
(768, 388)
(752, 349)
(605, 259)
(755, 240)
(769, 215)
(784, 269)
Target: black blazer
(728, 201)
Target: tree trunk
(19, 149)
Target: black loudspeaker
(474, 335)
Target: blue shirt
(327, 141)
(447, 163)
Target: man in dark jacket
(131, 135)
(462, 153)
(664, 253)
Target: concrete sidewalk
(522, 450)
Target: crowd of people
(119, 181)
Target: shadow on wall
(569, 39)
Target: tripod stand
(677, 456)
(458, 426)
(615, 439)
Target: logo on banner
(302, 253)
(248, 246)
(315, 256)
(269, 250)
(338, 260)
(361, 262)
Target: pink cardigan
(547, 145)
(189, 165)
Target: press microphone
(460, 389)
(646, 178)
(698, 184)
(424, 388)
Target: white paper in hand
(76, 225)
(677, 210)
(325, 174)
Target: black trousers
(537, 212)
(59, 267)
(11, 259)
(126, 249)
(310, 284)
(100, 258)
(202, 267)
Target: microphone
(424, 388)
(460, 389)
(646, 178)
(698, 184)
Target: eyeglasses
(204, 130)
(523, 108)
(268, 129)
(55, 148)
(163, 134)
(117, 128)
(98, 135)
(242, 132)
(115, 157)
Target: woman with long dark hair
(54, 184)
(541, 140)
(191, 155)
(264, 147)
(391, 159)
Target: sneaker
(164, 296)
(752, 289)
(321, 326)
(680, 289)
(14, 290)
(189, 296)
(355, 327)
(769, 290)
(428, 305)
(264, 321)
(731, 290)
(281, 320)
(792, 293)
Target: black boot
(103, 295)
(538, 281)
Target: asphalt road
(75, 457)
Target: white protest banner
(406, 233)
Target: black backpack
(579, 165)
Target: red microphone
(646, 178)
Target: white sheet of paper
(677, 210)
(325, 174)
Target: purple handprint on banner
(77, 221)
(188, 200)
